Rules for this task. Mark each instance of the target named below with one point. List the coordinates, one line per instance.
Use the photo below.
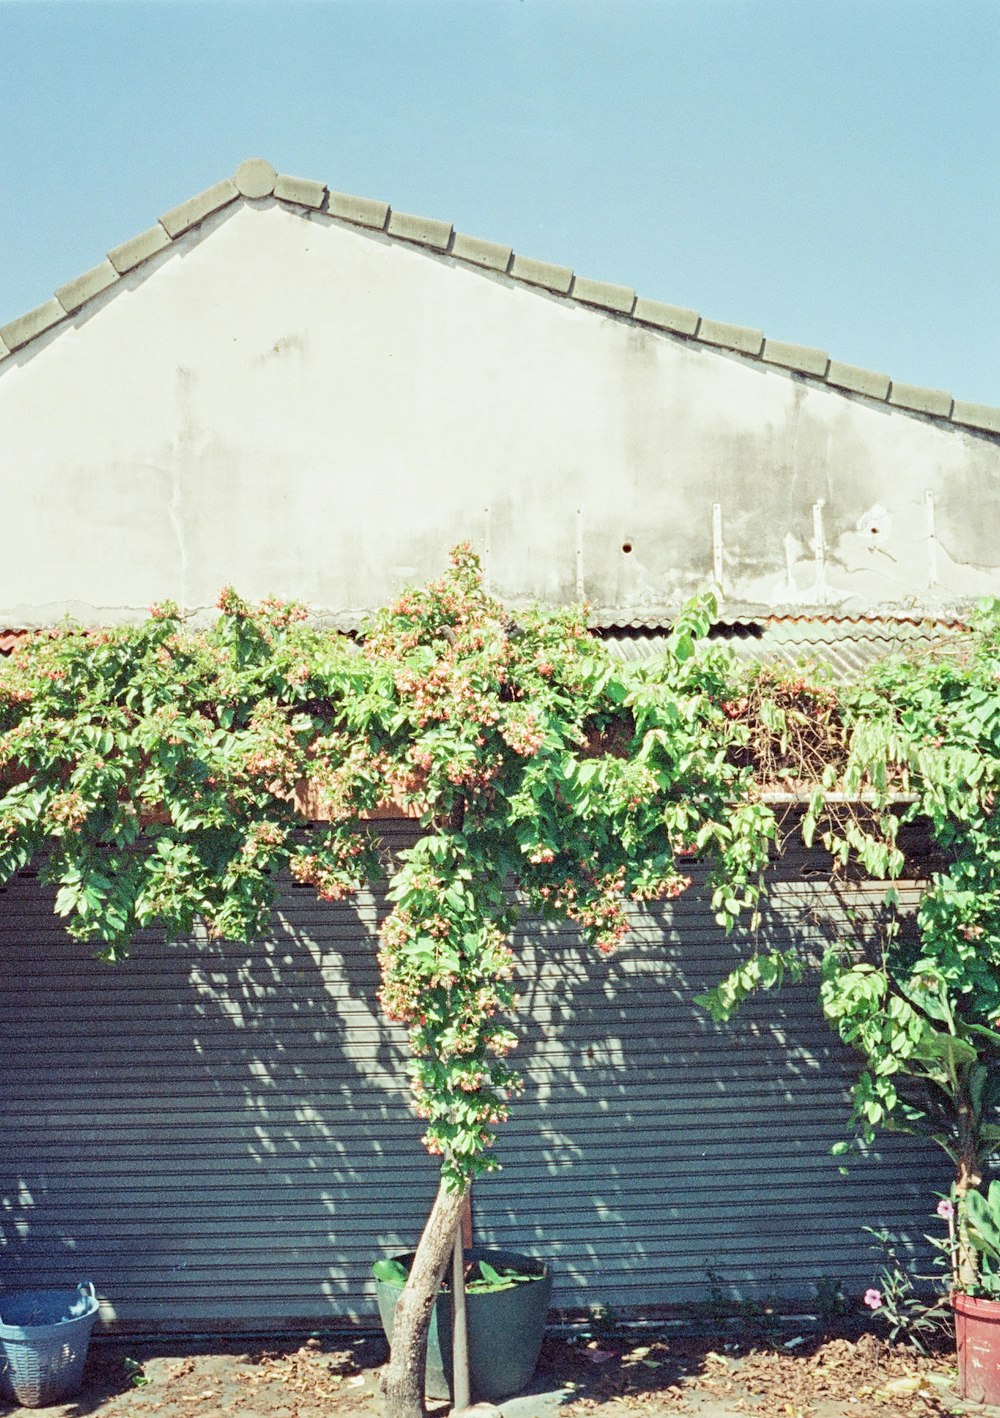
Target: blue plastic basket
(43, 1343)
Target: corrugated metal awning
(845, 643)
(845, 646)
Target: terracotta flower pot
(977, 1339)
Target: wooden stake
(468, 1239)
(460, 1334)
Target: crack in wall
(174, 514)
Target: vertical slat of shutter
(220, 1135)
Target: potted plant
(507, 1300)
(974, 1236)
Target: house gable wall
(296, 405)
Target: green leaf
(390, 1271)
(954, 1051)
(491, 1280)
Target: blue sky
(828, 172)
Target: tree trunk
(403, 1377)
(969, 1176)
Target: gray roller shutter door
(220, 1137)
(652, 1147)
(217, 1134)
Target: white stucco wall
(296, 406)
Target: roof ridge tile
(32, 323)
(666, 317)
(139, 248)
(76, 293)
(254, 178)
(423, 231)
(983, 416)
(604, 294)
(188, 214)
(921, 401)
(731, 337)
(303, 191)
(491, 254)
(360, 211)
(542, 273)
(857, 380)
(799, 358)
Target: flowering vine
(157, 768)
(917, 739)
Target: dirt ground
(777, 1376)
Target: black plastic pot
(506, 1328)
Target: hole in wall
(626, 547)
(875, 524)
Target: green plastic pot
(505, 1328)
